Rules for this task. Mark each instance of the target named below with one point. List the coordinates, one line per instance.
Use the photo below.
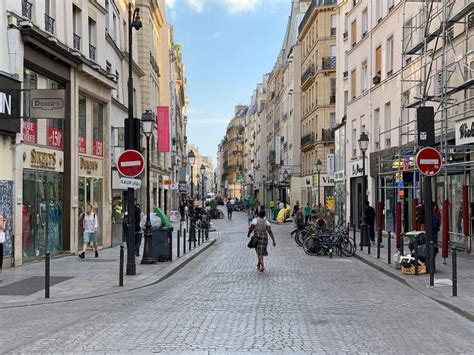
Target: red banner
(98, 148)
(30, 131)
(55, 137)
(82, 144)
(163, 123)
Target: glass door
(90, 191)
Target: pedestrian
(262, 229)
(230, 209)
(436, 223)
(296, 208)
(138, 230)
(370, 221)
(281, 205)
(90, 226)
(182, 210)
(307, 213)
(3, 239)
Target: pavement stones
(220, 303)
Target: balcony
(76, 39)
(26, 8)
(314, 3)
(329, 63)
(272, 156)
(327, 135)
(92, 52)
(48, 24)
(333, 31)
(332, 99)
(308, 74)
(307, 140)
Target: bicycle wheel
(309, 246)
(300, 236)
(347, 247)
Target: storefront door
(90, 191)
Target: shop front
(356, 194)
(43, 201)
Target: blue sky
(228, 46)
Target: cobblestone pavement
(219, 302)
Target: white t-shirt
(254, 222)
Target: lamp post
(132, 139)
(191, 158)
(363, 146)
(147, 126)
(319, 165)
(285, 177)
(203, 171)
(264, 188)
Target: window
(353, 84)
(332, 120)
(354, 139)
(363, 79)
(108, 67)
(49, 12)
(82, 136)
(365, 21)
(390, 5)
(333, 51)
(107, 15)
(378, 60)
(333, 25)
(29, 126)
(387, 123)
(92, 39)
(377, 127)
(97, 129)
(346, 100)
(389, 56)
(354, 32)
(378, 11)
(114, 27)
(55, 126)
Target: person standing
(261, 227)
(370, 220)
(230, 209)
(91, 225)
(307, 213)
(436, 223)
(138, 230)
(296, 208)
(3, 239)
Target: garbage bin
(162, 247)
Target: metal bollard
(416, 256)
(47, 274)
(354, 236)
(199, 235)
(194, 238)
(389, 248)
(379, 239)
(177, 243)
(370, 241)
(431, 261)
(184, 242)
(454, 255)
(121, 265)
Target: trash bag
(154, 219)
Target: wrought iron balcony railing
(76, 41)
(26, 8)
(49, 24)
(92, 52)
(329, 63)
(327, 134)
(308, 139)
(308, 13)
(308, 73)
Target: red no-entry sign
(428, 161)
(131, 163)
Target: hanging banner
(163, 123)
(30, 131)
(55, 137)
(277, 150)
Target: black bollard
(379, 239)
(431, 261)
(455, 272)
(416, 256)
(354, 236)
(370, 241)
(199, 235)
(184, 242)
(121, 265)
(177, 242)
(47, 274)
(389, 248)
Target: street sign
(183, 187)
(130, 183)
(131, 163)
(429, 161)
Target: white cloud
(170, 3)
(196, 5)
(216, 35)
(234, 6)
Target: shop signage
(82, 144)
(277, 150)
(183, 187)
(45, 103)
(30, 131)
(9, 105)
(429, 161)
(465, 131)
(90, 166)
(166, 181)
(326, 180)
(128, 183)
(163, 123)
(354, 168)
(98, 148)
(39, 158)
(55, 137)
(131, 163)
(330, 164)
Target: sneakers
(81, 255)
(96, 254)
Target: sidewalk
(442, 290)
(74, 278)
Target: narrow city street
(220, 302)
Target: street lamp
(132, 139)
(147, 126)
(363, 146)
(264, 188)
(286, 174)
(191, 159)
(319, 166)
(203, 171)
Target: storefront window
(55, 126)
(29, 126)
(42, 213)
(90, 191)
(82, 136)
(97, 129)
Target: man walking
(370, 220)
(307, 213)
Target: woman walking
(90, 225)
(261, 227)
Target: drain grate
(29, 286)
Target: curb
(465, 314)
(149, 281)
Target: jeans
(372, 232)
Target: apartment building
(317, 39)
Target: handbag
(253, 242)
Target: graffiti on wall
(6, 215)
